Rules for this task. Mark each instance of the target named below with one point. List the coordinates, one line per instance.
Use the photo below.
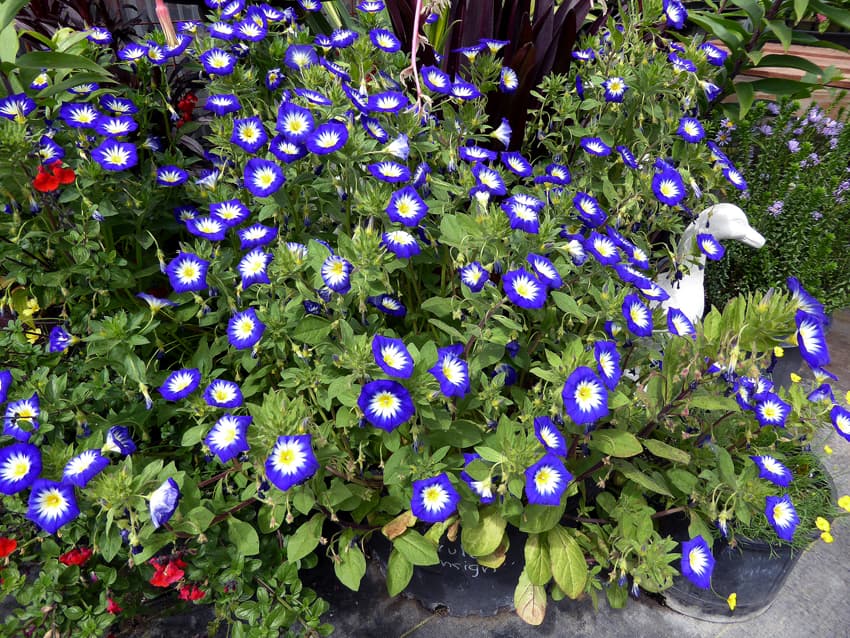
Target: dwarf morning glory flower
(253, 266)
(804, 300)
(546, 481)
(668, 186)
(115, 156)
(228, 437)
(811, 339)
(5, 384)
(585, 397)
(555, 174)
(20, 465)
(589, 209)
(711, 90)
(16, 107)
(464, 90)
(451, 372)
(231, 212)
(489, 179)
(180, 384)
(483, 489)
(385, 404)
(163, 502)
(249, 134)
(390, 172)
(399, 147)
(298, 253)
(735, 178)
(313, 96)
(697, 562)
(250, 31)
(772, 470)
(300, 56)
(679, 324)
(608, 362)
(516, 163)
(292, 461)
(385, 40)
(584, 55)
(710, 247)
(49, 151)
(782, 516)
(24, 412)
(654, 292)
(615, 89)
(327, 138)
(221, 31)
(715, 55)
(524, 289)
(510, 374)
(223, 394)
(401, 243)
(294, 122)
(627, 157)
(595, 146)
(118, 440)
(187, 273)
(508, 80)
(545, 270)
(285, 150)
(208, 228)
(675, 13)
(132, 52)
(690, 130)
(392, 356)
(840, 418)
(822, 393)
(602, 248)
(244, 329)
(436, 80)
(434, 499)
(263, 177)
(60, 340)
(52, 505)
(503, 132)
(171, 176)
(336, 273)
(116, 126)
(637, 315)
(407, 207)
(222, 103)
(771, 410)
(550, 436)
(370, 6)
(374, 129)
(387, 102)
(218, 61)
(521, 216)
(474, 276)
(387, 304)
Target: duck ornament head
(687, 290)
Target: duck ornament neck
(723, 221)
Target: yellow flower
(732, 601)
(778, 351)
(844, 503)
(796, 378)
(33, 335)
(847, 397)
(827, 537)
(822, 524)
(827, 449)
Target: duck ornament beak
(753, 238)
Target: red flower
(112, 607)
(191, 592)
(77, 556)
(168, 574)
(7, 546)
(46, 182)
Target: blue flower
(370, 6)
(474, 275)
(336, 273)
(250, 31)
(782, 516)
(171, 176)
(589, 209)
(804, 300)
(772, 470)
(294, 122)
(522, 217)
(132, 52)
(549, 436)
(374, 129)
(385, 404)
(840, 418)
(21, 418)
(229, 437)
(690, 130)
(675, 13)
(52, 505)
(253, 266)
(482, 489)
(489, 179)
(292, 461)
(697, 562)
(118, 440)
(218, 61)
(464, 90)
(406, 207)
(392, 356)
(286, 151)
(180, 384)
(451, 372)
(60, 340)
(221, 31)
(222, 103)
(595, 146)
(615, 89)
(585, 397)
(390, 172)
(300, 56)
(387, 102)
(713, 54)
(711, 90)
(668, 186)
(516, 163)
(387, 304)
(602, 248)
(771, 410)
(263, 177)
(187, 273)
(710, 247)
(49, 151)
(163, 502)
(627, 156)
(822, 393)
(735, 178)
(679, 324)
(223, 394)
(681, 64)
(20, 465)
(249, 134)
(545, 270)
(115, 156)
(638, 316)
(5, 384)
(385, 40)
(436, 80)
(401, 243)
(524, 289)
(313, 96)
(434, 499)
(231, 212)
(208, 228)
(503, 132)
(555, 174)
(244, 329)
(508, 80)
(16, 107)
(115, 126)
(608, 362)
(546, 481)
(327, 138)
(475, 154)
(811, 339)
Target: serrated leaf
(306, 538)
(537, 565)
(569, 569)
(399, 573)
(665, 451)
(615, 443)
(530, 601)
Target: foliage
(798, 197)
(416, 353)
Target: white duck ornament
(723, 221)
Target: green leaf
(615, 443)
(682, 480)
(618, 595)
(707, 401)
(8, 44)
(726, 466)
(484, 538)
(193, 435)
(651, 483)
(55, 60)
(782, 31)
(9, 9)
(350, 563)
(745, 93)
(201, 517)
(399, 573)
(569, 568)
(790, 62)
(75, 80)
(439, 306)
(244, 536)
(530, 601)
(416, 548)
(665, 451)
(311, 330)
(778, 86)
(306, 538)
(753, 9)
(566, 303)
(800, 8)
(537, 519)
(537, 566)
(729, 31)
(836, 14)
